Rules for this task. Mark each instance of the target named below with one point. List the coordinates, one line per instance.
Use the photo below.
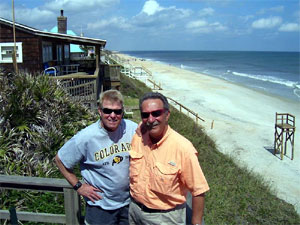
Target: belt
(148, 210)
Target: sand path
(243, 122)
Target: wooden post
(99, 80)
(72, 207)
(212, 125)
(13, 216)
(14, 34)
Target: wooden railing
(155, 85)
(147, 71)
(129, 69)
(80, 88)
(197, 117)
(72, 214)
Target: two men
(163, 168)
(102, 150)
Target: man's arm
(85, 190)
(198, 208)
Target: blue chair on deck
(50, 70)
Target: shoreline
(244, 121)
(292, 97)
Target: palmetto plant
(36, 118)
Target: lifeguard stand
(284, 132)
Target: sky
(128, 25)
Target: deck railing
(72, 214)
(80, 88)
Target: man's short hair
(111, 95)
(155, 95)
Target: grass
(130, 101)
(28, 142)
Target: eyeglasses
(155, 113)
(109, 111)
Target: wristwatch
(77, 185)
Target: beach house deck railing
(81, 88)
(72, 214)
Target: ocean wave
(271, 79)
(297, 89)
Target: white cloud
(289, 27)
(151, 7)
(114, 22)
(30, 16)
(277, 9)
(202, 26)
(154, 16)
(34, 17)
(266, 23)
(207, 12)
(247, 18)
(196, 24)
(218, 27)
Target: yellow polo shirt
(163, 173)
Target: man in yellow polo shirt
(163, 168)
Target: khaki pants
(175, 216)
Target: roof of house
(66, 37)
(73, 48)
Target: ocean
(276, 73)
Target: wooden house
(37, 50)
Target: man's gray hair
(111, 95)
(155, 95)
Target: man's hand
(141, 129)
(90, 192)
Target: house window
(59, 53)
(6, 52)
(47, 52)
(67, 51)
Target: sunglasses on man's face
(155, 113)
(109, 111)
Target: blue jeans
(95, 215)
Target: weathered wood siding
(31, 48)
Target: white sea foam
(271, 79)
(297, 89)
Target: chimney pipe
(62, 23)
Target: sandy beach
(243, 122)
